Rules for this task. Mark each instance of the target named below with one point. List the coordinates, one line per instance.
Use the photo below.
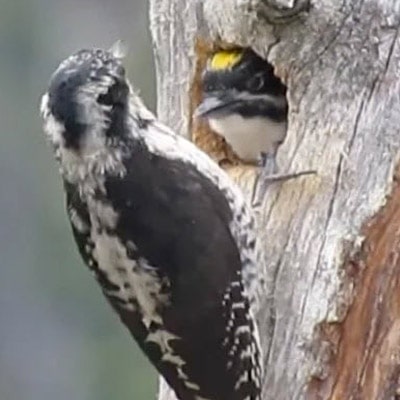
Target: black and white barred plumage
(166, 233)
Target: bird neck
(88, 170)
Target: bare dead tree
(332, 240)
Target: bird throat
(249, 136)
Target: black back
(179, 221)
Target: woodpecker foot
(264, 180)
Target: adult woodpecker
(244, 102)
(166, 233)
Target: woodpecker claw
(268, 174)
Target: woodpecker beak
(213, 105)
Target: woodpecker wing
(81, 228)
(179, 222)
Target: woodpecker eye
(109, 97)
(114, 96)
(256, 82)
(105, 99)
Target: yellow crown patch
(225, 59)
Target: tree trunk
(333, 240)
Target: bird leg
(269, 173)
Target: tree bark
(333, 240)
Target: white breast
(249, 136)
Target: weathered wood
(332, 241)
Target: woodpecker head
(86, 102)
(242, 98)
(239, 81)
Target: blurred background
(58, 337)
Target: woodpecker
(245, 103)
(166, 233)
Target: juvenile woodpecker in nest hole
(166, 233)
(245, 103)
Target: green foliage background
(58, 337)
